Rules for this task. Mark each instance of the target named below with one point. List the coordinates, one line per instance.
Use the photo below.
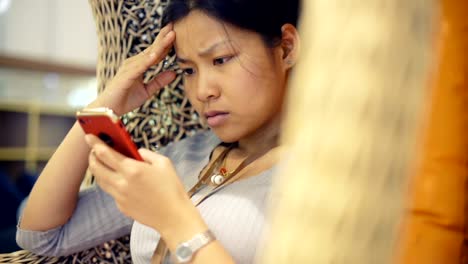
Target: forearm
(54, 196)
(214, 252)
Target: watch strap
(194, 244)
(201, 239)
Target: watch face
(183, 253)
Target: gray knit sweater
(235, 214)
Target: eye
(222, 60)
(188, 71)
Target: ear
(290, 45)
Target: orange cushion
(437, 221)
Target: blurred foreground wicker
(352, 126)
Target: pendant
(217, 179)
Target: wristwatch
(185, 251)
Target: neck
(262, 140)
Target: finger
(159, 52)
(135, 68)
(158, 49)
(146, 52)
(105, 177)
(160, 81)
(93, 141)
(105, 154)
(161, 35)
(152, 157)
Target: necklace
(217, 178)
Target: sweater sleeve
(96, 220)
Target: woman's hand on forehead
(127, 90)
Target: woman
(236, 67)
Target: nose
(207, 87)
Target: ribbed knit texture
(235, 214)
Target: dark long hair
(265, 17)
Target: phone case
(103, 123)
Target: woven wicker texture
(115, 251)
(124, 29)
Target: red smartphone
(103, 123)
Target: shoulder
(201, 143)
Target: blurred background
(48, 53)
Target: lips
(216, 118)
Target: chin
(226, 135)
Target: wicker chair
(124, 29)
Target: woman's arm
(95, 220)
(54, 196)
(213, 253)
(190, 224)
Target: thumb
(149, 156)
(160, 81)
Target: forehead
(198, 31)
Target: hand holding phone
(103, 123)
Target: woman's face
(234, 81)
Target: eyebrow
(205, 52)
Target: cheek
(263, 95)
(244, 77)
(252, 96)
(257, 82)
